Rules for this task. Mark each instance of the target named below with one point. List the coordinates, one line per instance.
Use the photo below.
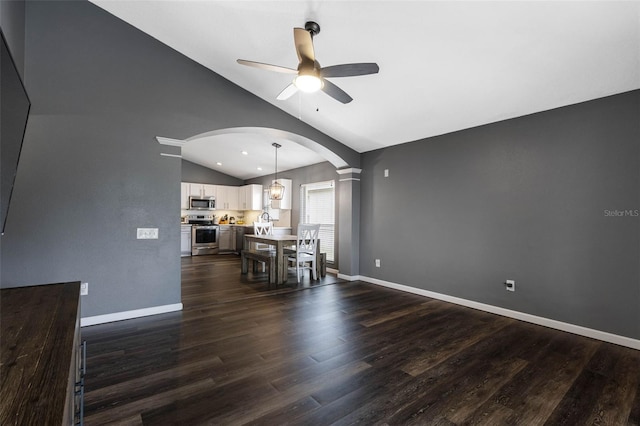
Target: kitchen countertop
(246, 225)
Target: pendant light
(276, 191)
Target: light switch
(147, 233)
(386, 172)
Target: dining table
(280, 242)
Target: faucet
(263, 214)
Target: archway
(329, 155)
(349, 181)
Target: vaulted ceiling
(444, 66)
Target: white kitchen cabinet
(184, 195)
(285, 203)
(227, 197)
(242, 197)
(233, 198)
(201, 190)
(185, 240)
(250, 197)
(209, 190)
(195, 189)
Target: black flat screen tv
(14, 113)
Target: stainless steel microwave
(199, 203)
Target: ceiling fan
(310, 75)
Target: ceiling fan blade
(349, 70)
(304, 45)
(268, 67)
(288, 91)
(335, 92)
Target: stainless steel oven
(205, 235)
(205, 239)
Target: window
(317, 205)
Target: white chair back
(263, 228)
(307, 238)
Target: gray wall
(91, 170)
(522, 199)
(196, 173)
(315, 173)
(459, 214)
(12, 21)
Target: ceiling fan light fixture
(310, 76)
(308, 83)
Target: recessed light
(259, 168)
(245, 153)
(219, 163)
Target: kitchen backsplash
(248, 216)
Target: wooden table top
(38, 326)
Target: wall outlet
(510, 285)
(377, 263)
(84, 289)
(386, 172)
(147, 233)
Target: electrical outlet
(147, 233)
(386, 172)
(377, 263)
(510, 285)
(84, 289)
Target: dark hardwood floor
(345, 353)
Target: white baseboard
(136, 313)
(558, 325)
(332, 271)
(350, 277)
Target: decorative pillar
(349, 224)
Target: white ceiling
(225, 152)
(444, 65)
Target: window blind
(317, 205)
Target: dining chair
(306, 246)
(263, 228)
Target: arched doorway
(329, 155)
(348, 181)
